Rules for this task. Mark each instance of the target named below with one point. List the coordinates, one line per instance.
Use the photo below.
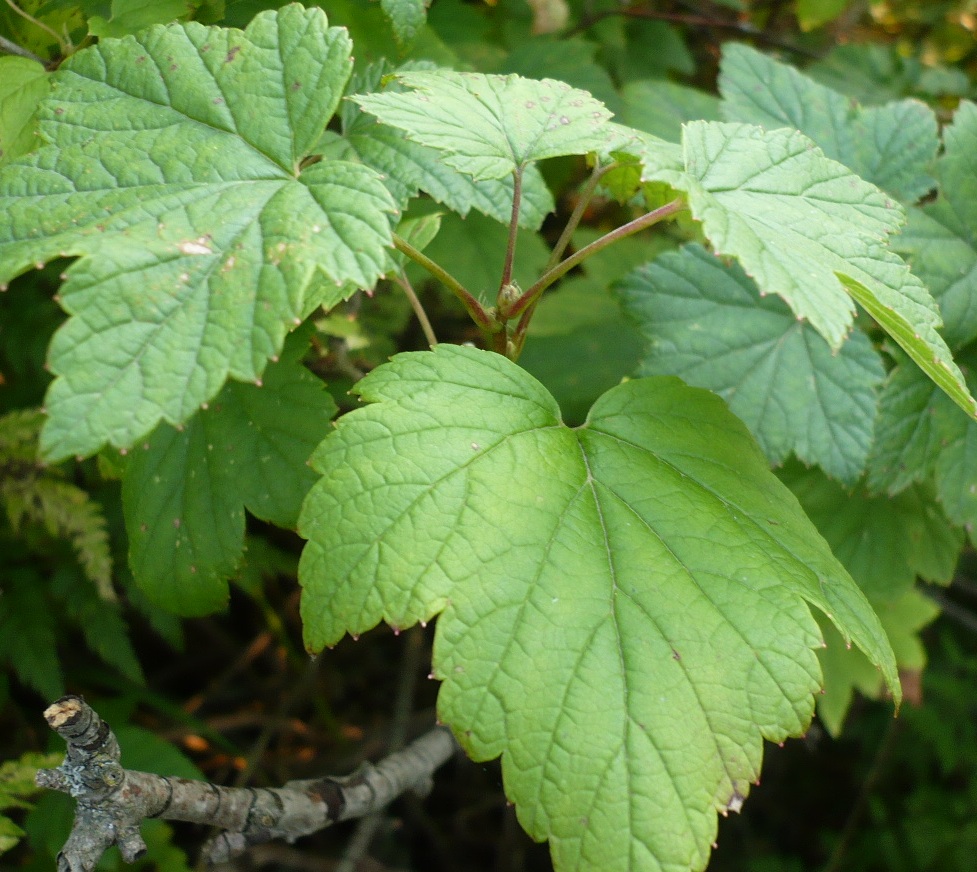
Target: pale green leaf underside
(892, 146)
(174, 167)
(489, 126)
(706, 323)
(806, 228)
(623, 606)
(184, 491)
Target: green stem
(510, 250)
(479, 315)
(64, 46)
(577, 214)
(520, 305)
(404, 284)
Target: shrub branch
(113, 801)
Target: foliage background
(233, 697)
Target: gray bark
(113, 801)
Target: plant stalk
(479, 315)
(510, 249)
(649, 219)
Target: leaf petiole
(482, 317)
(527, 299)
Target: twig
(742, 27)
(112, 801)
(14, 49)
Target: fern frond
(34, 492)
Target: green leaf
(17, 787)
(580, 322)
(409, 166)
(175, 169)
(815, 13)
(129, 16)
(23, 84)
(569, 60)
(892, 146)
(473, 249)
(884, 542)
(28, 641)
(956, 475)
(807, 229)
(846, 669)
(101, 623)
(184, 493)
(940, 241)
(914, 423)
(406, 17)
(623, 606)
(490, 126)
(706, 323)
(661, 107)
(17, 778)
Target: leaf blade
(490, 126)
(556, 563)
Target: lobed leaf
(408, 166)
(706, 323)
(176, 170)
(490, 126)
(806, 228)
(940, 240)
(185, 490)
(915, 421)
(884, 541)
(624, 606)
(892, 146)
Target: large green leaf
(185, 490)
(176, 166)
(705, 322)
(892, 146)
(624, 606)
(490, 126)
(806, 228)
(408, 166)
(940, 241)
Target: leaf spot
(232, 54)
(176, 523)
(195, 246)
